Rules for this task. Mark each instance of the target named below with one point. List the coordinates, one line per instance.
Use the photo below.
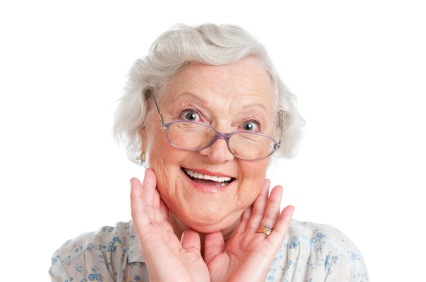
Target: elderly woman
(206, 112)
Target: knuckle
(269, 217)
(258, 211)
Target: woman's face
(230, 98)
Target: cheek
(253, 177)
(159, 149)
(165, 160)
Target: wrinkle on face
(225, 95)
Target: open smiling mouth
(208, 179)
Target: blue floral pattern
(311, 252)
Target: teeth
(205, 176)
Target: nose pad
(218, 152)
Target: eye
(190, 115)
(249, 126)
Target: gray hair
(208, 44)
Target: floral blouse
(310, 253)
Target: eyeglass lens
(194, 136)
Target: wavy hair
(209, 44)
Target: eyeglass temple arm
(163, 125)
(281, 115)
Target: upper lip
(207, 172)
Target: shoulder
(317, 235)
(319, 252)
(97, 249)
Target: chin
(205, 205)
(212, 224)
(204, 197)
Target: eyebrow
(188, 94)
(255, 104)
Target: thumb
(214, 245)
(191, 241)
(136, 202)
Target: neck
(179, 228)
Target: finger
(191, 241)
(242, 226)
(139, 216)
(164, 210)
(273, 208)
(214, 245)
(259, 207)
(277, 236)
(156, 198)
(158, 214)
(149, 186)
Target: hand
(249, 254)
(166, 258)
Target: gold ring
(264, 229)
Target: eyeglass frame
(217, 134)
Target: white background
(357, 67)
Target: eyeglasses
(196, 136)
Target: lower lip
(207, 188)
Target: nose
(218, 152)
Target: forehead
(233, 85)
